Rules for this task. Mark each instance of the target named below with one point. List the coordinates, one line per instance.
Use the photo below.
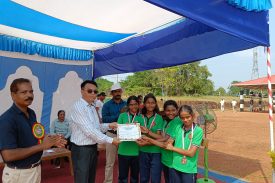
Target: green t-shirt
(155, 124)
(169, 129)
(191, 164)
(128, 148)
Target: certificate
(128, 132)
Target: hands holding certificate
(142, 142)
(131, 132)
(113, 125)
(128, 132)
(115, 141)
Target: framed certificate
(128, 132)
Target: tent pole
(93, 65)
(270, 108)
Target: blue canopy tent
(212, 28)
(97, 38)
(57, 44)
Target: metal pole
(93, 65)
(270, 108)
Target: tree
(220, 91)
(188, 79)
(234, 90)
(140, 83)
(104, 85)
(198, 81)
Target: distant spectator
(222, 105)
(60, 125)
(161, 104)
(99, 104)
(234, 103)
(251, 103)
(140, 104)
(260, 102)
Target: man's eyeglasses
(92, 91)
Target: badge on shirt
(38, 131)
(184, 160)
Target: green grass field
(216, 99)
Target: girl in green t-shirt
(150, 156)
(171, 121)
(187, 140)
(128, 152)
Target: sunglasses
(92, 91)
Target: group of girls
(169, 143)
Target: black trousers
(166, 172)
(84, 163)
(181, 177)
(128, 164)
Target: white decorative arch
(22, 72)
(67, 93)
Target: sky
(234, 66)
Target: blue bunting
(14, 44)
(252, 5)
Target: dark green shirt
(191, 164)
(128, 148)
(155, 124)
(169, 129)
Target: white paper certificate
(128, 132)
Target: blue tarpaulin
(110, 37)
(211, 28)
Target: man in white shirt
(86, 132)
(222, 105)
(234, 103)
(99, 104)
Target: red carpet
(62, 175)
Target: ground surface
(239, 146)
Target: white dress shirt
(85, 126)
